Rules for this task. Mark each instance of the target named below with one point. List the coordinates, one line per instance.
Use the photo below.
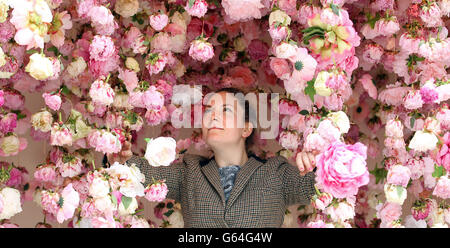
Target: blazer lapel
(211, 171)
(242, 178)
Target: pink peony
(104, 141)
(2, 98)
(153, 99)
(156, 192)
(102, 48)
(234, 10)
(155, 118)
(155, 63)
(46, 173)
(413, 100)
(289, 140)
(52, 101)
(443, 155)
(258, 49)
(198, 8)
(399, 175)
(101, 92)
(60, 136)
(341, 169)
(68, 202)
(442, 188)
(8, 123)
(201, 50)
(429, 93)
(322, 201)
(394, 128)
(278, 33)
(421, 209)
(389, 212)
(49, 202)
(328, 131)
(288, 107)
(69, 166)
(158, 21)
(319, 224)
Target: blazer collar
(211, 171)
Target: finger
(312, 159)
(300, 165)
(126, 154)
(126, 145)
(305, 158)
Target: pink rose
(52, 101)
(8, 123)
(443, 155)
(289, 140)
(394, 128)
(389, 212)
(15, 178)
(201, 50)
(280, 67)
(429, 93)
(442, 188)
(159, 21)
(413, 100)
(156, 192)
(102, 48)
(101, 92)
(69, 166)
(328, 131)
(398, 175)
(155, 63)
(416, 167)
(45, 173)
(60, 136)
(49, 201)
(198, 9)
(155, 118)
(153, 99)
(341, 169)
(278, 33)
(322, 201)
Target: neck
(230, 156)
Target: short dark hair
(249, 114)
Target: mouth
(215, 128)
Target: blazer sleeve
(296, 188)
(173, 175)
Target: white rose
(340, 119)
(39, 67)
(161, 151)
(10, 144)
(319, 84)
(279, 16)
(104, 204)
(395, 194)
(131, 208)
(423, 141)
(131, 179)
(285, 50)
(2, 58)
(176, 219)
(12, 198)
(99, 188)
(76, 67)
(42, 121)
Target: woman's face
(223, 122)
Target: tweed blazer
(262, 190)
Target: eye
(227, 109)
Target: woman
(233, 188)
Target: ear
(248, 129)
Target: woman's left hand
(306, 161)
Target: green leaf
(54, 50)
(298, 65)
(438, 171)
(191, 3)
(31, 51)
(147, 140)
(379, 173)
(61, 202)
(169, 205)
(399, 191)
(114, 199)
(335, 9)
(412, 121)
(65, 90)
(309, 90)
(168, 213)
(304, 112)
(126, 201)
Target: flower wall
(363, 83)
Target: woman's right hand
(123, 155)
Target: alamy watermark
(263, 111)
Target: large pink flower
(201, 50)
(102, 48)
(68, 202)
(341, 169)
(198, 8)
(156, 192)
(234, 10)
